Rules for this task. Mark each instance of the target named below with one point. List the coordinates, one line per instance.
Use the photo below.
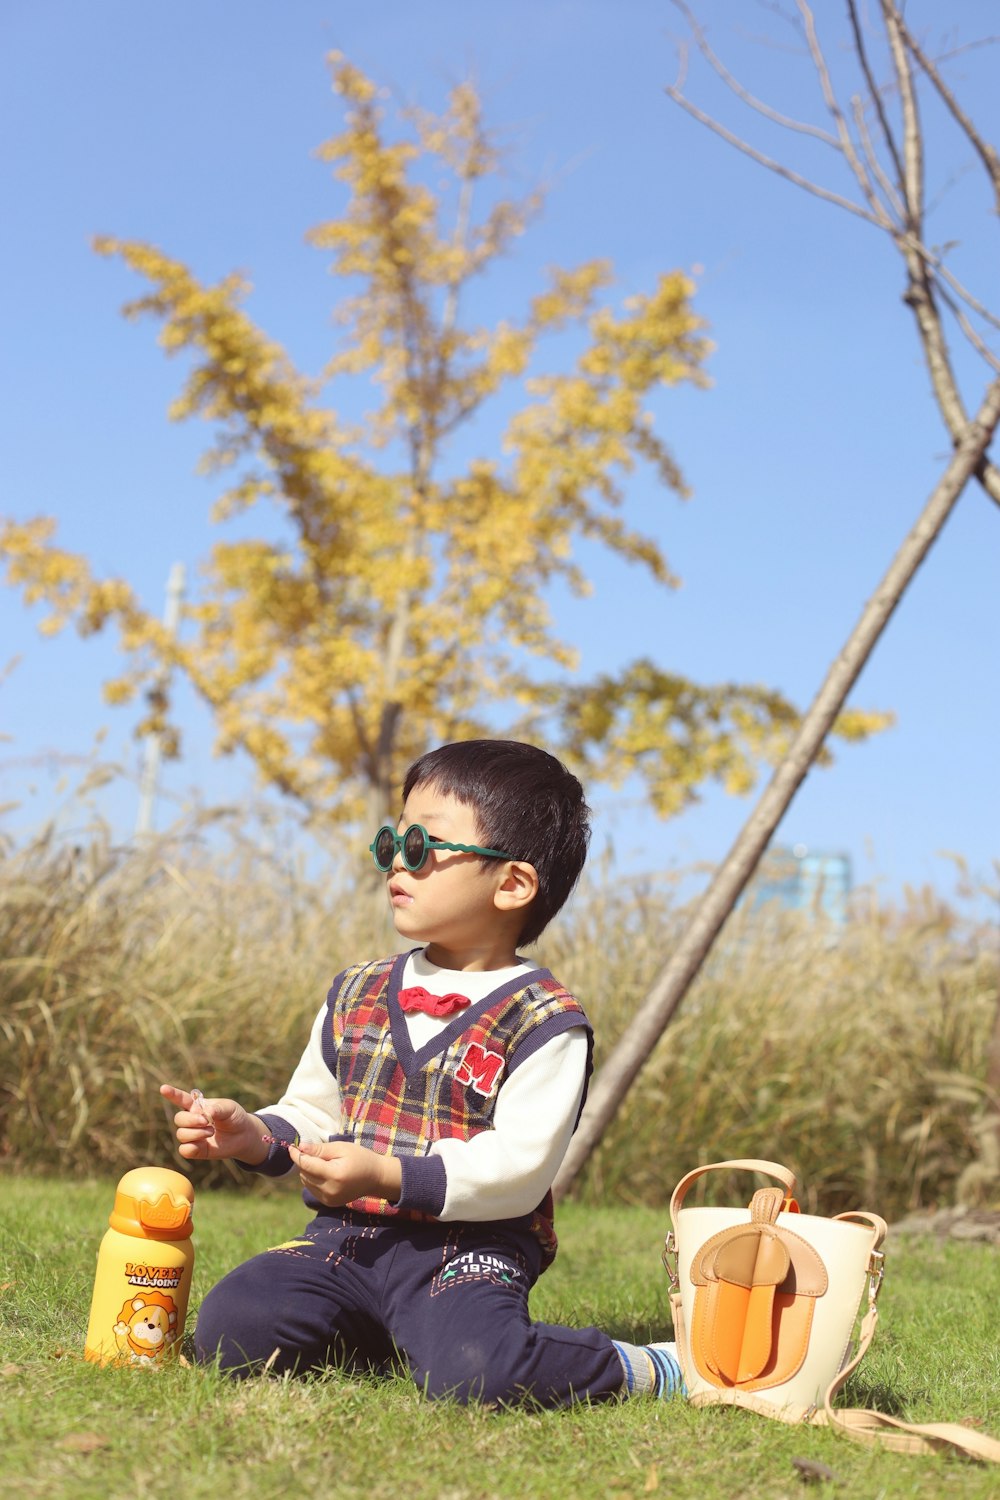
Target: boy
(429, 1114)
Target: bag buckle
(876, 1275)
(669, 1259)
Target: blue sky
(195, 126)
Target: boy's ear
(518, 888)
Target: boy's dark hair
(526, 803)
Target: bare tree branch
(769, 162)
(978, 343)
(920, 293)
(875, 166)
(913, 146)
(830, 99)
(962, 293)
(903, 220)
(973, 46)
(987, 153)
(874, 92)
(802, 127)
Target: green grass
(70, 1429)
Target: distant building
(802, 879)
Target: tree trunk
(718, 900)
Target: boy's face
(450, 903)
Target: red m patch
(480, 1068)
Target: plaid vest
(400, 1101)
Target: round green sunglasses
(415, 844)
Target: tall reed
(856, 1056)
(121, 968)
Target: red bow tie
(417, 998)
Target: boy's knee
(241, 1333)
(221, 1330)
(247, 1323)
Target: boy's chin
(405, 923)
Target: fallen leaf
(10, 1370)
(82, 1442)
(652, 1480)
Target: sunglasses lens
(414, 847)
(384, 848)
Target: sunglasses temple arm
(476, 849)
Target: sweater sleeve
(506, 1171)
(310, 1106)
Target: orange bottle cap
(153, 1203)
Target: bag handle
(874, 1221)
(749, 1164)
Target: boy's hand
(337, 1172)
(212, 1129)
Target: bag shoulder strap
(876, 1429)
(873, 1429)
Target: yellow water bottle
(144, 1270)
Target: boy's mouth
(397, 895)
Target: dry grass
(857, 1058)
(859, 1061)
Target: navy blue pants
(447, 1302)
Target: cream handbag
(765, 1301)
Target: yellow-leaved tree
(406, 602)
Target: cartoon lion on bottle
(146, 1327)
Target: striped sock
(650, 1370)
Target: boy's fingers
(193, 1151)
(307, 1159)
(186, 1100)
